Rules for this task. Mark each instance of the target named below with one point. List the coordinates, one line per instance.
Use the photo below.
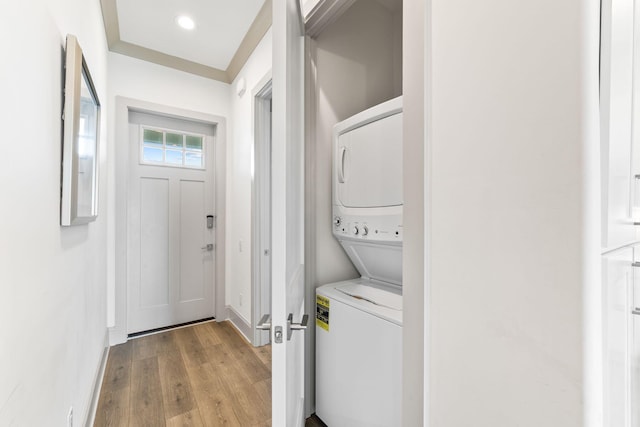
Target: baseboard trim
(240, 322)
(97, 384)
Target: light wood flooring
(201, 375)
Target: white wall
(240, 180)
(145, 81)
(511, 224)
(52, 279)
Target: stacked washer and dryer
(359, 321)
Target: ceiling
(226, 33)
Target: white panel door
(287, 284)
(170, 271)
(617, 272)
(616, 84)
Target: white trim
(260, 285)
(310, 229)
(117, 333)
(97, 384)
(239, 322)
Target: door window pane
(193, 159)
(152, 137)
(171, 148)
(194, 142)
(174, 140)
(152, 154)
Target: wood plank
(230, 336)
(153, 345)
(190, 346)
(254, 368)
(113, 408)
(146, 394)
(249, 410)
(207, 335)
(118, 371)
(205, 380)
(176, 387)
(188, 419)
(217, 411)
(113, 405)
(264, 354)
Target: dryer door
(369, 164)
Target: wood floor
(202, 375)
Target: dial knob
(356, 230)
(365, 230)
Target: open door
(287, 284)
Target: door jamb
(117, 214)
(260, 288)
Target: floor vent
(155, 331)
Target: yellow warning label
(322, 312)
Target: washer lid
(376, 296)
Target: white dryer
(359, 322)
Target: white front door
(171, 245)
(287, 284)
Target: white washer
(359, 322)
(359, 354)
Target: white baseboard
(97, 384)
(241, 324)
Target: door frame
(117, 197)
(260, 283)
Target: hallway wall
(52, 279)
(240, 173)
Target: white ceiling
(220, 27)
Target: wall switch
(70, 417)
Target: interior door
(170, 270)
(287, 284)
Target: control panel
(384, 228)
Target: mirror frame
(76, 71)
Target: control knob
(356, 230)
(365, 230)
(337, 221)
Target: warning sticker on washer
(322, 312)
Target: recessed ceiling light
(185, 22)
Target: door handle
(296, 326)
(265, 323)
(208, 247)
(636, 311)
(343, 151)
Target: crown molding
(257, 30)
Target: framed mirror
(81, 116)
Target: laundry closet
(354, 63)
